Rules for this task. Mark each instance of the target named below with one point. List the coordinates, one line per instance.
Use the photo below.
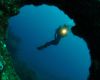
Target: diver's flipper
(40, 48)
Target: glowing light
(64, 31)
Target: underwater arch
(19, 20)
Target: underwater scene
(40, 52)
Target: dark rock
(86, 14)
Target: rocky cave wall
(86, 14)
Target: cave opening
(33, 22)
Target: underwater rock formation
(7, 71)
(86, 14)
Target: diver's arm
(57, 31)
(55, 34)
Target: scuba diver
(60, 33)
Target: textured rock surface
(7, 71)
(86, 14)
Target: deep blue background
(35, 25)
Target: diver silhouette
(56, 39)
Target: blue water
(36, 25)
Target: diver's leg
(46, 45)
(53, 42)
